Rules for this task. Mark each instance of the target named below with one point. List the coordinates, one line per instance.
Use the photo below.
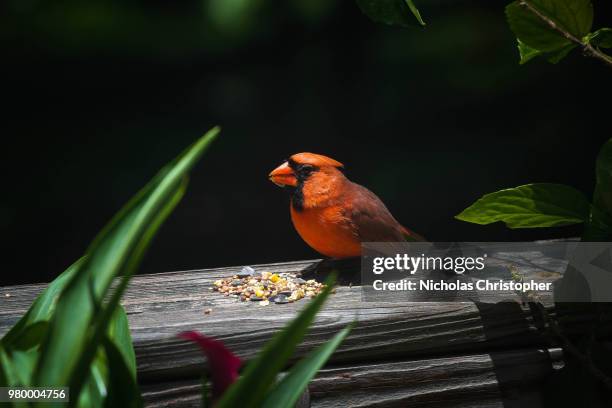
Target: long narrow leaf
(94, 390)
(44, 305)
(119, 334)
(260, 374)
(123, 390)
(287, 392)
(8, 374)
(8, 378)
(100, 386)
(102, 323)
(30, 337)
(115, 252)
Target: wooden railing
(399, 354)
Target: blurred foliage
(393, 12)
(138, 27)
(76, 332)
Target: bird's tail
(410, 235)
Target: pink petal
(224, 365)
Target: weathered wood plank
(162, 305)
(475, 380)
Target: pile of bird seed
(266, 287)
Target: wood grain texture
(390, 348)
(501, 379)
(162, 305)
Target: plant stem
(584, 360)
(587, 48)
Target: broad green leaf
(573, 16)
(392, 12)
(530, 206)
(532, 31)
(260, 374)
(527, 53)
(600, 38)
(554, 57)
(71, 344)
(287, 392)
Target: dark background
(99, 95)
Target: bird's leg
(348, 269)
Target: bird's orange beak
(283, 176)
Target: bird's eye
(305, 169)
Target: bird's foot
(348, 269)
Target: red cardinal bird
(330, 212)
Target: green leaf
(530, 206)
(30, 337)
(23, 352)
(287, 392)
(527, 53)
(260, 374)
(44, 305)
(80, 322)
(601, 38)
(94, 390)
(8, 377)
(24, 363)
(415, 11)
(10, 373)
(119, 334)
(104, 320)
(392, 12)
(554, 57)
(536, 37)
(111, 381)
(122, 388)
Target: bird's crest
(315, 160)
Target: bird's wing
(371, 219)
